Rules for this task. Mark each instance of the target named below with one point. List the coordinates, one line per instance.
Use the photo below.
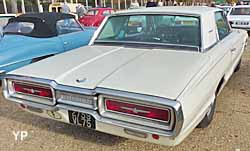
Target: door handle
(233, 49)
(65, 43)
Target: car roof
(224, 6)
(47, 16)
(44, 23)
(241, 6)
(7, 15)
(190, 10)
(101, 8)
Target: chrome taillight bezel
(139, 104)
(168, 126)
(69, 98)
(33, 98)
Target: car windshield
(161, 30)
(92, 12)
(240, 11)
(4, 21)
(19, 28)
(68, 26)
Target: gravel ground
(229, 131)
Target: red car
(95, 16)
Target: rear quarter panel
(200, 92)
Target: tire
(237, 68)
(208, 117)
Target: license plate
(82, 119)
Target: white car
(4, 18)
(239, 17)
(149, 74)
(225, 8)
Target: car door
(228, 41)
(72, 34)
(237, 43)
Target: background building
(26, 6)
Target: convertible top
(44, 23)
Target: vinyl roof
(44, 23)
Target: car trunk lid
(126, 69)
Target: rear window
(174, 30)
(240, 11)
(19, 27)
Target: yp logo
(20, 135)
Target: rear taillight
(32, 90)
(138, 110)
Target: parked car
(31, 37)
(150, 74)
(4, 18)
(225, 8)
(58, 7)
(95, 16)
(3, 21)
(239, 17)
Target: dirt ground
(229, 131)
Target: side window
(106, 13)
(108, 32)
(67, 26)
(136, 25)
(222, 25)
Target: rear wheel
(208, 117)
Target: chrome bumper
(241, 27)
(122, 129)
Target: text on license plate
(81, 119)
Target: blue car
(31, 37)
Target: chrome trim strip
(148, 43)
(52, 83)
(12, 63)
(29, 79)
(90, 101)
(137, 96)
(73, 89)
(155, 13)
